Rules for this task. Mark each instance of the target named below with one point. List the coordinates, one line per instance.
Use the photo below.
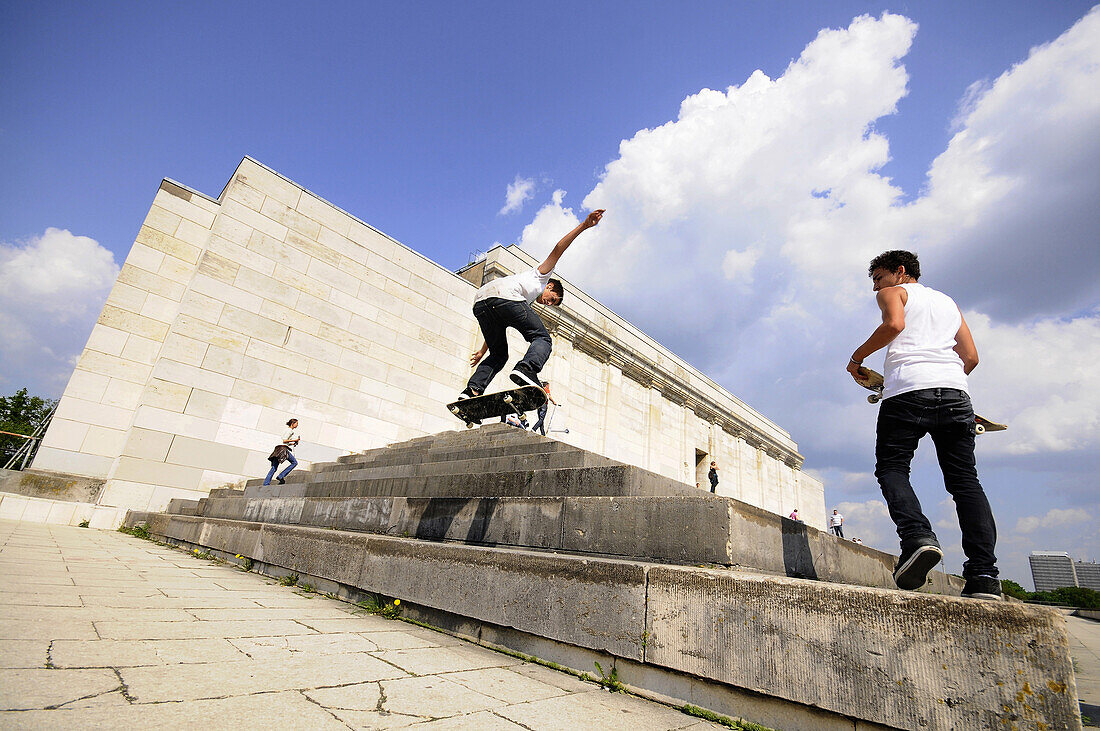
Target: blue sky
(416, 117)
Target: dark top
(713, 476)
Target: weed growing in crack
(378, 605)
(289, 580)
(610, 680)
(306, 587)
(83, 523)
(726, 721)
(246, 563)
(138, 531)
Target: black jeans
(838, 531)
(947, 415)
(496, 315)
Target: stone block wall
(232, 315)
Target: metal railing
(30, 446)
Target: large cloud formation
(739, 234)
(52, 289)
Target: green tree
(20, 414)
(1014, 590)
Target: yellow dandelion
(397, 602)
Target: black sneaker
(982, 587)
(521, 375)
(915, 562)
(281, 480)
(466, 393)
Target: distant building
(1051, 570)
(1088, 574)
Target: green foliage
(1014, 590)
(82, 524)
(289, 580)
(722, 720)
(306, 587)
(376, 604)
(610, 680)
(1071, 596)
(138, 531)
(20, 414)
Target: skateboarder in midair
(505, 303)
(929, 353)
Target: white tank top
(923, 355)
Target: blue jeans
(540, 425)
(947, 415)
(275, 466)
(495, 316)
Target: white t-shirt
(923, 355)
(522, 287)
(292, 437)
(835, 520)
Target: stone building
(231, 315)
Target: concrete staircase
(522, 542)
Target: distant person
(836, 521)
(858, 540)
(794, 515)
(284, 452)
(505, 303)
(929, 354)
(520, 422)
(540, 425)
(713, 477)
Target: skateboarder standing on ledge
(929, 353)
(505, 303)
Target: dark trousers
(495, 316)
(947, 415)
(838, 531)
(540, 425)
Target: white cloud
(1053, 519)
(52, 289)
(551, 223)
(870, 522)
(748, 222)
(519, 192)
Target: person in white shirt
(290, 441)
(506, 302)
(929, 354)
(836, 520)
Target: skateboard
(501, 403)
(873, 381)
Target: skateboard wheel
(507, 399)
(874, 398)
(979, 429)
(454, 410)
(469, 425)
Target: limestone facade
(232, 315)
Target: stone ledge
(893, 658)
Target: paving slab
(152, 637)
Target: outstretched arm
(892, 304)
(559, 248)
(965, 347)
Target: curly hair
(555, 286)
(892, 260)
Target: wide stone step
(685, 530)
(616, 480)
(445, 454)
(801, 654)
(483, 465)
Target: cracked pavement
(100, 630)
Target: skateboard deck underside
(496, 405)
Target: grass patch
(377, 605)
(138, 531)
(245, 564)
(82, 524)
(289, 580)
(306, 587)
(721, 720)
